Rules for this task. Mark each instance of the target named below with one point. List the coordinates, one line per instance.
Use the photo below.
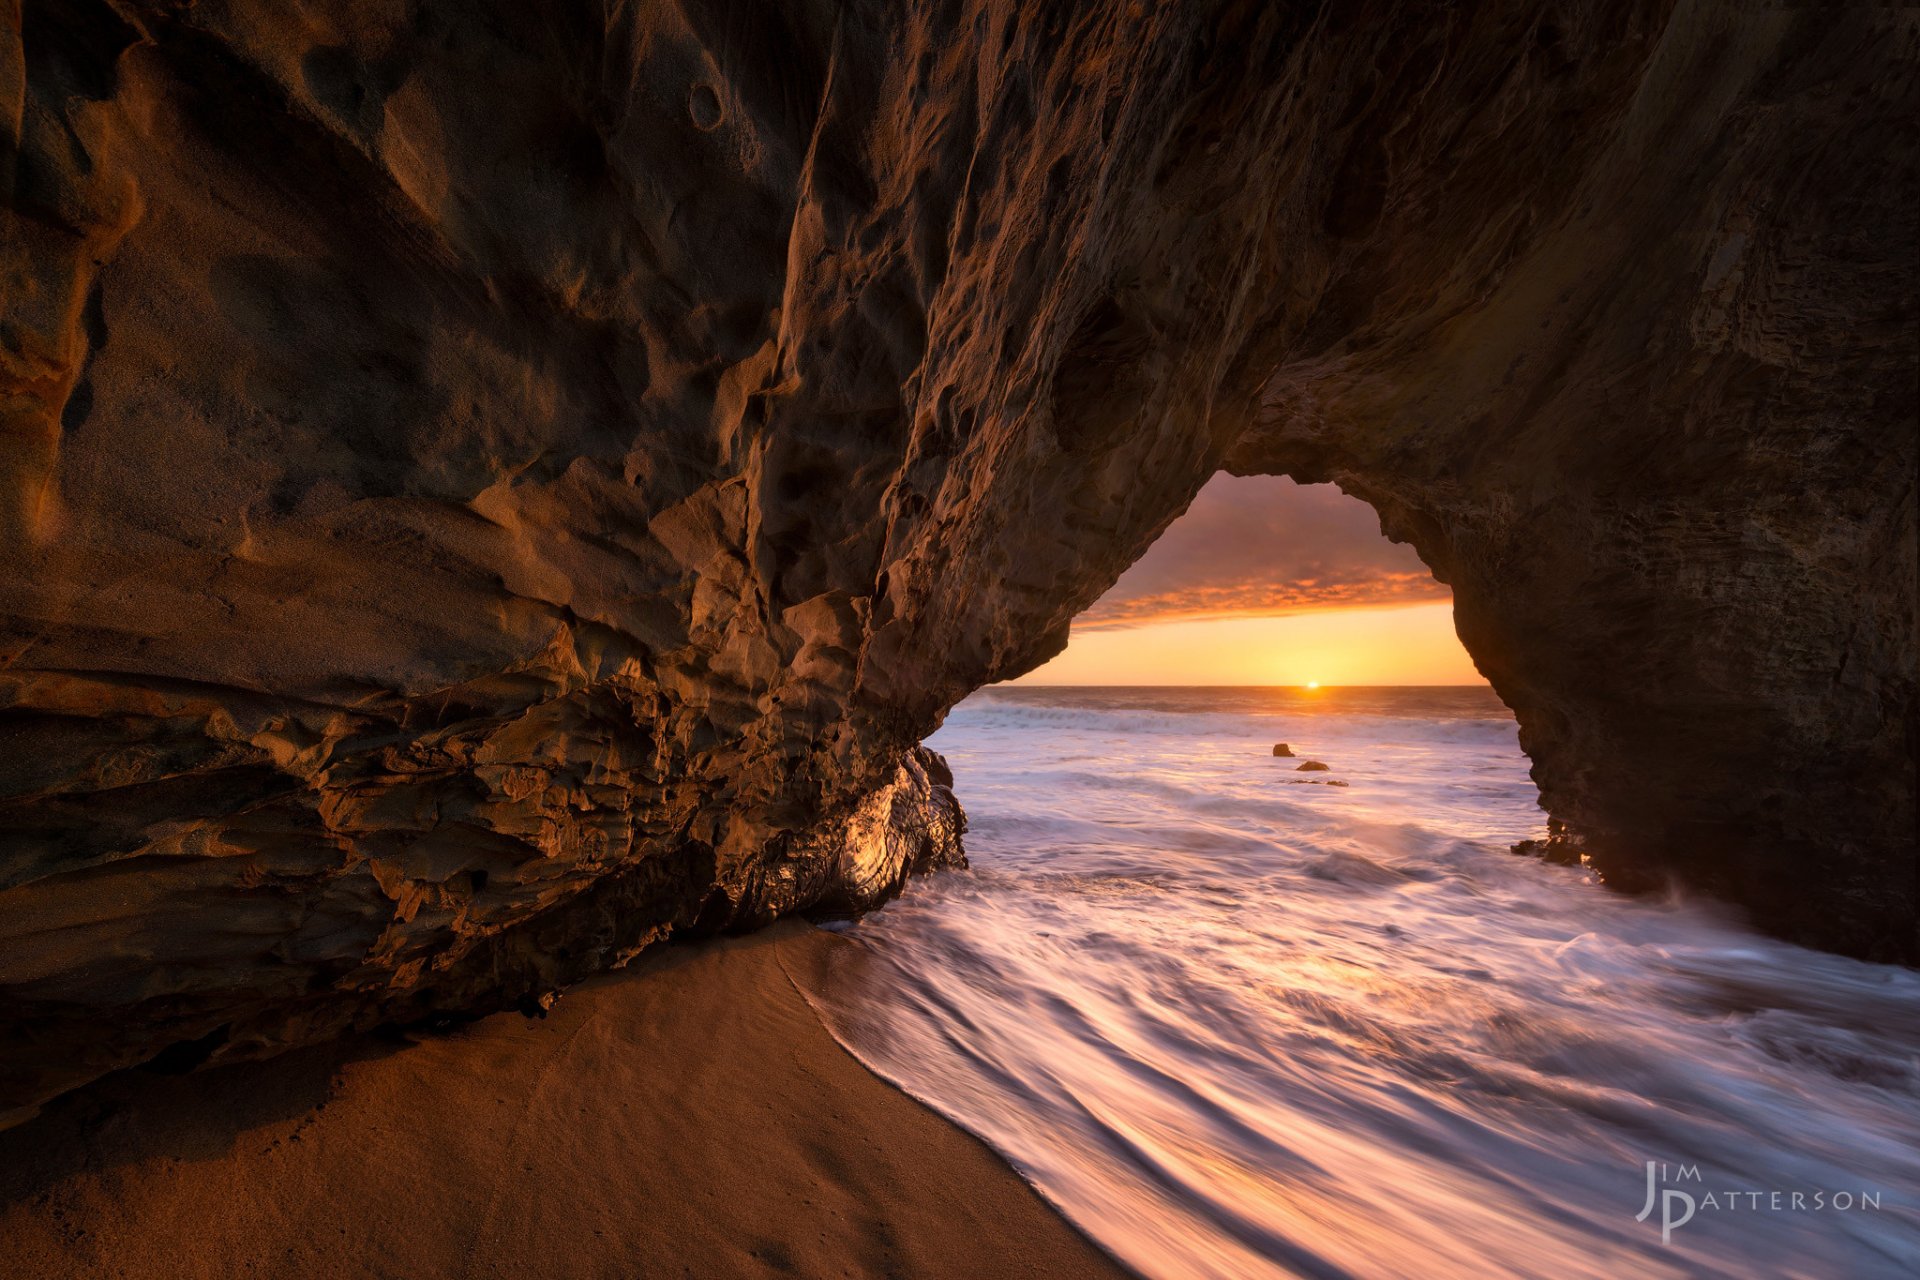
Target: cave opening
(1275, 608)
(1265, 581)
(1272, 637)
(1250, 832)
(1242, 886)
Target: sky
(1264, 581)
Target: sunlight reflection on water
(1238, 1025)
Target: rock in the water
(1312, 766)
(1336, 782)
(1282, 749)
(486, 492)
(1557, 849)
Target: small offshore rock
(1335, 782)
(1313, 766)
(1282, 749)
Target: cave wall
(490, 486)
(1665, 454)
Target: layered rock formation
(487, 486)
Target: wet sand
(689, 1117)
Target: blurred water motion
(1238, 1024)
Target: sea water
(1234, 1021)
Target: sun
(1313, 684)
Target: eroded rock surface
(489, 485)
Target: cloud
(1260, 546)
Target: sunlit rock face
(488, 486)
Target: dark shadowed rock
(485, 492)
(1282, 749)
(1312, 766)
(1559, 848)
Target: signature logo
(1678, 1205)
(1669, 1199)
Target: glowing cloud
(1266, 582)
(1263, 546)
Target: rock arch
(484, 508)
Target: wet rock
(1312, 766)
(911, 826)
(1282, 749)
(1557, 850)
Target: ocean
(1234, 1022)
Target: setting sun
(1411, 645)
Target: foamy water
(1237, 1025)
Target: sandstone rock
(486, 491)
(1312, 766)
(1282, 749)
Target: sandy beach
(687, 1117)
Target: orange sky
(1412, 644)
(1263, 581)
